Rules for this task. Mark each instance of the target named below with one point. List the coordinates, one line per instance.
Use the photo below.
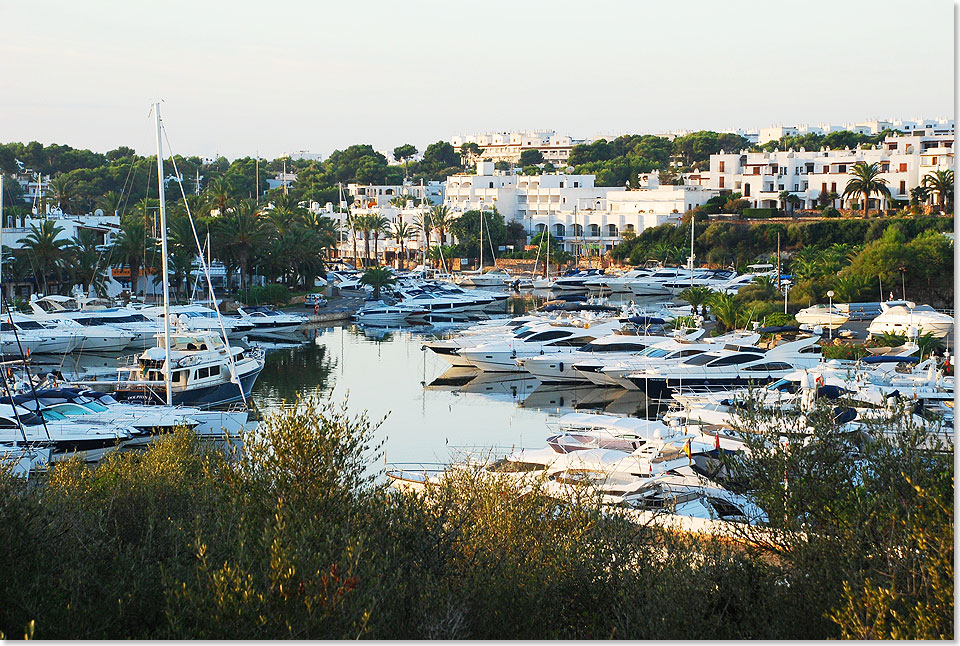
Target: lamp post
(830, 313)
(786, 290)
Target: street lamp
(830, 311)
(786, 290)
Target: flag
(686, 449)
(717, 437)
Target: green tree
(530, 157)
(87, 263)
(866, 181)
(219, 195)
(64, 190)
(378, 277)
(403, 231)
(239, 234)
(697, 296)
(470, 152)
(941, 183)
(46, 250)
(440, 220)
(130, 245)
(404, 153)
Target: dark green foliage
(272, 294)
(762, 213)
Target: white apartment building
(379, 196)
(508, 146)
(760, 177)
(866, 127)
(580, 215)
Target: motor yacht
(202, 373)
(491, 278)
(826, 316)
(614, 372)
(731, 366)
(904, 319)
(63, 437)
(558, 367)
(502, 356)
(268, 322)
(88, 338)
(201, 318)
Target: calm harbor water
(431, 412)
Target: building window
(903, 187)
(746, 190)
(576, 184)
(903, 167)
(721, 181)
(722, 169)
(491, 184)
(833, 187)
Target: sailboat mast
(481, 241)
(1, 236)
(546, 271)
(163, 258)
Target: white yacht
(825, 316)
(732, 366)
(49, 340)
(380, 313)
(267, 321)
(613, 373)
(491, 278)
(558, 367)
(63, 437)
(201, 318)
(906, 318)
(654, 284)
(85, 313)
(502, 356)
(89, 338)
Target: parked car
(314, 300)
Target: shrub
(761, 213)
(273, 294)
(830, 212)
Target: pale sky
(239, 77)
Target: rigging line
(206, 270)
(123, 191)
(3, 299)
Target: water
(433, 411)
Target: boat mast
(165, 279)
(480, 270)
(546, 270)
(1, 240)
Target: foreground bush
(296, 536)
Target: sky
(241, 78)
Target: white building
(508, 146)
(580, 215)
(760, 177)
(379, 196)
(866, 127)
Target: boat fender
(316, 309)
(561, 366)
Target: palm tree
(64, 189)
(399, 201)
(378, 225)
(423, 224)
(45, 249)
(919, 194)
(440, 218)
(697, 296)
(362, 223)
(377, 277)
(353, 223)
(240, 232)
(218, 195)
(401, 233)
(849, 289)
(87, 263)
(727, 310)
(129, 247)
(941, 183)
(866, 181)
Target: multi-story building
(580, 214)
(866, 127)
(379, 196)
(508, 146)
(760, 177)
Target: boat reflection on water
(568, 398)
(453, 379)
(501, 385)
